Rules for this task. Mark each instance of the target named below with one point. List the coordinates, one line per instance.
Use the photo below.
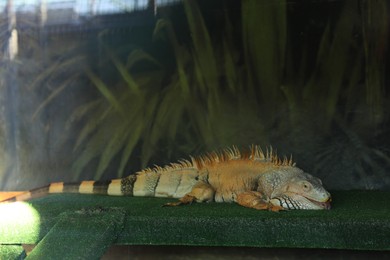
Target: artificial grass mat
(85, 225)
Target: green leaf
(92, 150)
(138, 56)
(54, 70)
(132, 139)
(90, 127)
(264, 38)
(54, 94)
(230, 68)
(204, 55)
(82, 111)
(114, 145)
(104, 90)
(133, 86)
(181, 54)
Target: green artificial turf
(84, 234)
(12, 252)
(87, 225)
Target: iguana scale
(254, 179)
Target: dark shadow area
(239, 253)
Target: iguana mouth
(324, 205)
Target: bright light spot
(18, 220)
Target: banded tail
(171, 181)
(112, 187)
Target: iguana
(253, 179)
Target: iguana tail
(112, 187)
(173, 181)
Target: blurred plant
(219, 94)
(331, 105)
(120, 125)
(193, 110)
(375, 29)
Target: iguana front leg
(201, 192)
(256, 200)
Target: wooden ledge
(9, 194)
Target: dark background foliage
(115, 93)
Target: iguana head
(302, 191)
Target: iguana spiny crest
(254, 179)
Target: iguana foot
(201, 192)
(275, 208)
(256, 200)
(187, 199)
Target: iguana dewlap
(255, 180)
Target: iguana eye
(306, 186)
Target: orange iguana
(255, 179)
